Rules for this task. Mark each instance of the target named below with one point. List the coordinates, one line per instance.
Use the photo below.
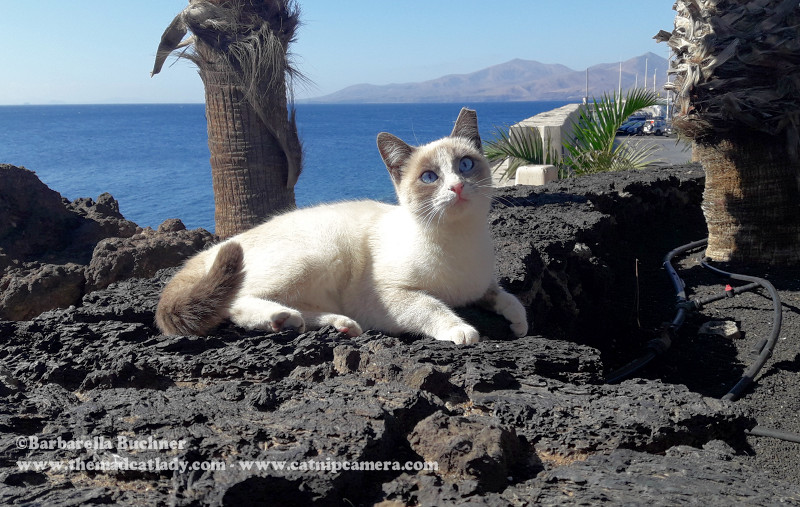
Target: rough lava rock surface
(510, 421)
(53, 251)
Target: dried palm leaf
(736, 65)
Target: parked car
(623, 129)
(635, 129)
(655, 127)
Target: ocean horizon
(154, 158)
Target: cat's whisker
(427, 218)
(484, 183)
(423, 208)
(426, 211)
(503, 199)
(484, 186)
(438, 213)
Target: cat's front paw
(347, 326)
(461, 334)
(287, 319)
(510, 307)
(519, 329)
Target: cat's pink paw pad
(287, 320)
(351, 331)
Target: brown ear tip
(385, 137)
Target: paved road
(669, 151)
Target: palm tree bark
(241, 49)
(737, 67)
(249, 169)
(751, 201)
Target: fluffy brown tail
(195, 302)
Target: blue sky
(101, 51)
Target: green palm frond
(520, 146)
(592, 149)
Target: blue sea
(154, 158)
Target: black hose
(630, 368)
(680, 287)
(729, 293)
(677, 282)
(760, 431)
(662, 343)
(766, 351)
(764, 347)
(684, 305)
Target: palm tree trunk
(248, 165)
(241, 48)
(736, 63)
(751, 200)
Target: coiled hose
(684, 305)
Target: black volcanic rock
(33, 218)
(474, 448)
(29, 291)
(53, 251)
(710, 475)
(272, 418)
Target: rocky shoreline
(509, 421)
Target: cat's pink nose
(457, 188)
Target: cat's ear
(394, 152)
(467, 127)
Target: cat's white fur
(363, 264)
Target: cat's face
(444, 180)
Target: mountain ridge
(514, 80)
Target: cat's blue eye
(465, 165)
(429, 177)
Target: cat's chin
(462, 208)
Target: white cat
(362, 264)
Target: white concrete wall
(555, 125)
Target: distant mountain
(517, 80)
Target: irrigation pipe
(765, 351)
(684, 305)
